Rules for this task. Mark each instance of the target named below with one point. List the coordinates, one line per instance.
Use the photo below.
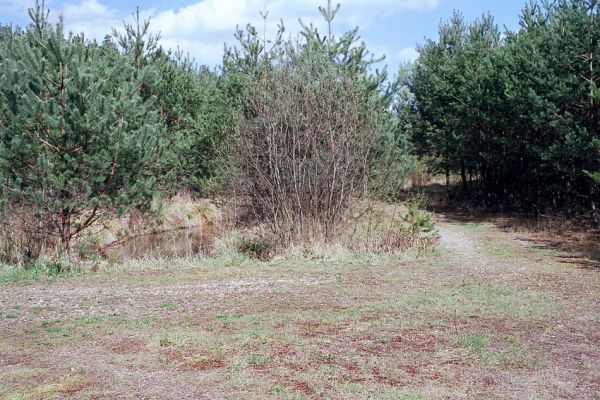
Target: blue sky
(201, 27)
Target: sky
(201, 27)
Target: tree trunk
(463, 175)
(66, 230)
(448, 183)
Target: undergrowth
(374, 231)
(44, 268)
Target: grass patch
(167, 306)
(502, 351)
(502, 250)
(21, 373)
(488, 301)
(475, 343)
(74, 330)
(259, 360)
(185, 338)
(45, 269)
(62, 387)
(472, 226)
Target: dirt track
(488, 316)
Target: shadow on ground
(574, 242)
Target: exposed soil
(493, 314)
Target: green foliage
(517, 116)
(77, 141)
(256, 249)
(89, 131)
(191, 104)
(196, 112)
(416, 216)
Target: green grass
(259, 360)
(337, 327)
(502, 250)
(14, 274)
(474, 343)
(44, 269)
(495, 350)
(484, 300)
(168, 306)
(472, 226)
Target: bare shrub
(387, 229)
(256, 248)
(24, 235)
(304, 143)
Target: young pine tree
(77, 142)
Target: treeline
(294, 128)
(514, 113)
(297, 128)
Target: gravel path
(317, 322)
(572, 340)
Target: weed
(258, 360)
(165, 340)
(167, 306)
(328, 358)
(256, 249)
(91, 320)
(475, 343)
(55, 330)
(227, 319)
(279, 389)
(117, 321)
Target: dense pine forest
(515, 113)
(298, 127)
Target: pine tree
(190, 104)
(436, 83)
(77, 142)
(196, 113)
(519, 113)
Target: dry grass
(468, 321)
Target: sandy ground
(488, 316)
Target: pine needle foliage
(77, 141)
(515, 114)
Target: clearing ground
(489, 315)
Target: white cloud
(207, 15)
(91, 17)
(408, 54)
(15, 8)
(89, 9)
(199, 50)
(202, 27)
